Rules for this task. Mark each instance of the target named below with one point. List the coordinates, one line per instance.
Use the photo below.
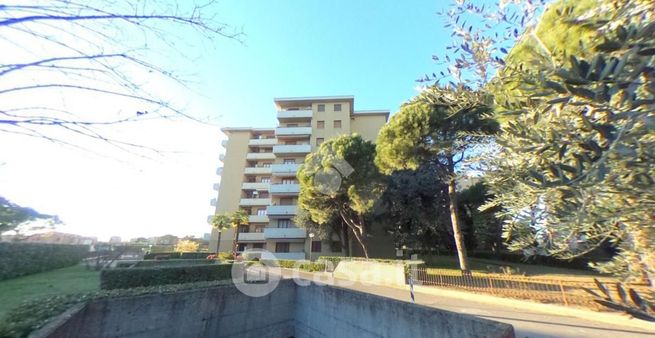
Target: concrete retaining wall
(290, 311)
(335, 312)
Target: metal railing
(545, 290)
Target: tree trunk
(361, 243)
(454, 220)
(235, 244)
(344, 241)
(218, 244)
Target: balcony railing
(286, 169)
(258, 219)
(262, 142)
(213, 202)
(260, 156)
(275, 233)
(216, 186)
(284, 189)
(251, 237)
(281, 210)
(294, 114)
(219, 171)
(255, 186)
(255, 201)
(292, 149)
(293, 131)
(257, 170)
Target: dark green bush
(162, 263)
(121, 278)
(18, 259)
(177, 255)
(32, 315)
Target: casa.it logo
(329, 177)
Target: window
(289, 161)
(266, 165)
(337, 123)
(320, 124)
(241, 247)
(261, 212)
(319, 140)
(286, 201)
(292, 124)
(337, 107)
(321, 107)
(243, 228)
(316, 246)
(284, 223)
(266, 180)
(281, 247)
(289, 181)
(258, 245)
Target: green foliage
(483, 228)
(120, 278)
(229, 220)
(33, 315)
(414, 209)
(576, 165)
(166, 262)
(300, 265)
(177, 255)
(186, 246)
(18, 259)
(12, 215)
(340, 181)
(629, 302)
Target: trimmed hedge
(301, 265)
(177, 255)
(34, 314)
(122, 278)
(163, 263)
(19, 259)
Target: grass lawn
(489, 265)
(61, 281)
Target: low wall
(371, 272)
(335, 312)
(289, 311)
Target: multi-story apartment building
(259, 173)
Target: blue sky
(374, 50)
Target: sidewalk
(529, 319)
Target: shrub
(18, 259)
(177, 255)
(163, 263)
(301, 265)
(121, 278)
(32, 315)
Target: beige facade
(259, 173)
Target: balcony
(284, 255)
(251, 237)
(281, 210)
(277, 233)
(262, 142)
(285, 170)
(293, 132)
(213, 202)
(255, 186)
(257, 218)
(292, 149)
(257, 171)
(224, 143)
(294, 114)
(216, 186)
(260, 156)
(219, 171)
(255, 201)
(221, 157)
(285, 189)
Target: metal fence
(545, 290)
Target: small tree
(340, 181)
(12, 216)
(440, 127)
(187, 246)
(230, 220)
